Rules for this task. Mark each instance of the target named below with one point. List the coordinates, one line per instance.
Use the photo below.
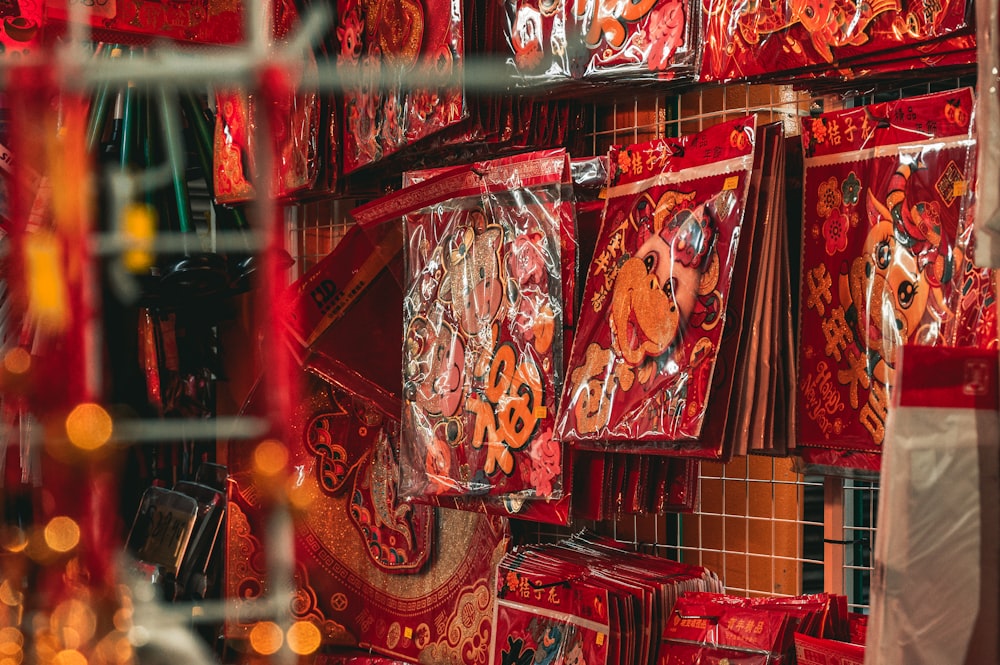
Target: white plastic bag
(934, 591)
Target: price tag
(958, 188)
(731, 183)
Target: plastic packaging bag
(885, 258)
(656, 291)
(938, 503)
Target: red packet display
(365, 573)
(587, 599)
(544, 626)
(294, 137)
(198, 21)
(482, 309)
(396, 40)
(233, 162)
(886, 258)
(647, 40)
(656, 291)
(756, 41)
(716, 628)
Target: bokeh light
(270, 457)
(62, 534)
(69, 657)
(9, 595)
(138, 229)
(304, 638)
(11, 641)
(266, 638)
(88, 426)
(74, 622)
(13, 538)
(17, 360)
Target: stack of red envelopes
(587, 599)
(714, 628)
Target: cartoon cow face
(435, 367)
(656, 289)
(888, 291)
(473, 284)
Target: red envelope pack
(482, 310)
(365, 571)
(397, 40)
(294, 129)
(349, 302)
(593, 586)
(139, 21)
(819, 651)
(596, 39)
(708, 627)
(787, 38)
(655, 299)
(886, 259)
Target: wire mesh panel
(315, 228)
(860, 508)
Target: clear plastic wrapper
(395, 40)
(656, 291)
(553, 42)
(744, 41)
(886, 259)
(482, 327)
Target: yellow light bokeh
(266, 638)
(17, 360)
(74, 622)
(270, 457)
(69, 657)
(13, 538)
(10, 596)
(113, 649)
(138, 229)
(62, 534)
(304, 638)
(89, 426)
(122, 619)
(11, 641)
(48, 304)
(300, 495)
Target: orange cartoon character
(435, 369)
(892, 291)
(831, 24)
(609, 19)
(474, 284)
(661, 287)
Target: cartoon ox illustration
(895, 283)
(473, 283)
(658, 288)
(435, 370)
(831, 24)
